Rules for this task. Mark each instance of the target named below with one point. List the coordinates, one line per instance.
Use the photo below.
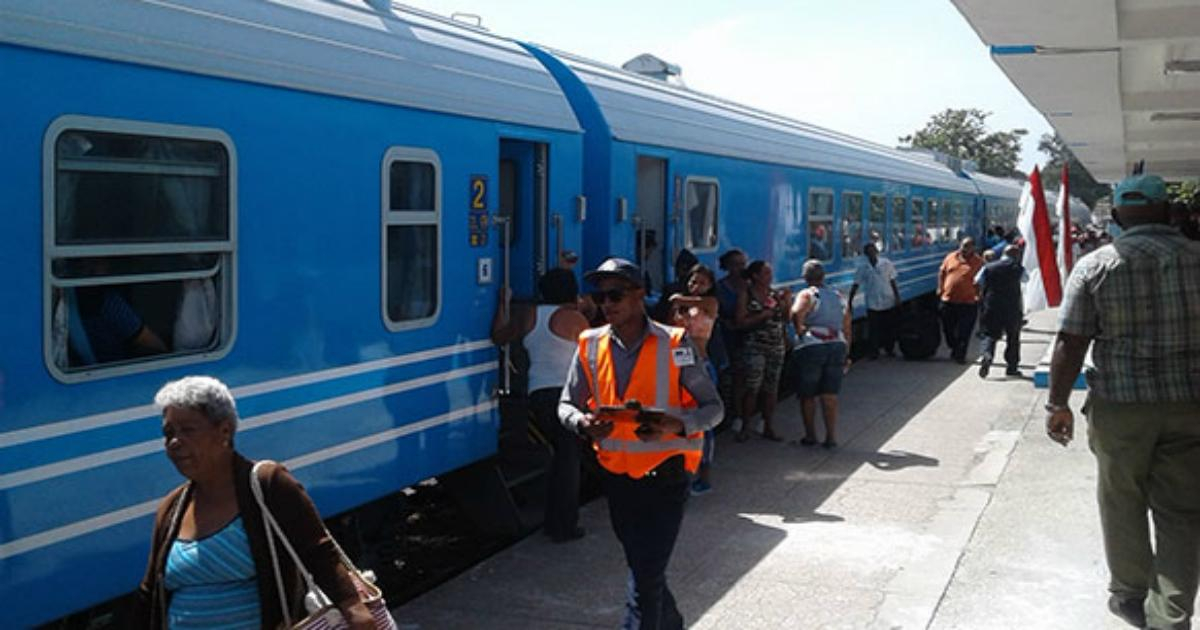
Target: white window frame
(912, 227)
(228, 327)
(863, 216)
(883, 229)
(388, 217)
(833, 232)
(688, 241)
(905, 243)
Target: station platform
(946, 506)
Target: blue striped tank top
(212, 581)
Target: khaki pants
(1148, 456)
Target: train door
(523, 170)
(654, 249)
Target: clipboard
(630, 413)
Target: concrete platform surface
(944, 507)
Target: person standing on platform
(877, 276)
(1139, 299)
(732, 382)
(999, 285)
(548, 334)
(956, 290)
(647, 449)
(822, 321)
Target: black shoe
(574, 534)
(830, 444)
(960, 360)
(1129, 609)
(1012, 372)
(983, 369)
(804, 441)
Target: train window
(820, 225)
(411, 238)
(877, 229)
(931, 221)
(898, 223)
(703, 205)
(140, 257)
(920, 231)
(956, 230)
(852, 224)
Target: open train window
(852, 225)
(920, 227)
(140, 243)
(898, 223)
(820, 225)
(877, 226)
(412, 204)
(703, 205)
(932, 220)
(956, 230)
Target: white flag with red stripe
(1065, 242)
(1043, 288)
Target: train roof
(375, 52)
(645, 110)
(992, 186)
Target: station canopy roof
(1118, 79)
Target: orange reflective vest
(654, 382)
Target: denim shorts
(819, 368)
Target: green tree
(1083, 185)
(963, 133)
(1187, 192)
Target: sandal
(806, 441)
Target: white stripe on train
(116, 517)
(123, 453)
(120, 416)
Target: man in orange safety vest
(639, 391)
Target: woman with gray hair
(822, 320)
(210, 561)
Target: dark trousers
(562, 479)
(958, 320)
(646, 514)
(882, 329)
(1011, 331)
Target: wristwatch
(1053, 408)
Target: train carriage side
(677, 169)
(296, 201)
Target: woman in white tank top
(550, 334)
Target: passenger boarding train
(317, 201)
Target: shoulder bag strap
(272, 529)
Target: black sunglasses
(611, 295)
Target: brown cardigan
(299, 519)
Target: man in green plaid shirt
(1139, 299)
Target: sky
(876, 69)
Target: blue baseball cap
(1140, 190)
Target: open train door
(654, 242)
(505, 495)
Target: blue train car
(294, 199)
(677, 169)
(319, 202)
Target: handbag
(323, 614)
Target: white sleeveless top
(549, 355)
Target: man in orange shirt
(956, 290)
